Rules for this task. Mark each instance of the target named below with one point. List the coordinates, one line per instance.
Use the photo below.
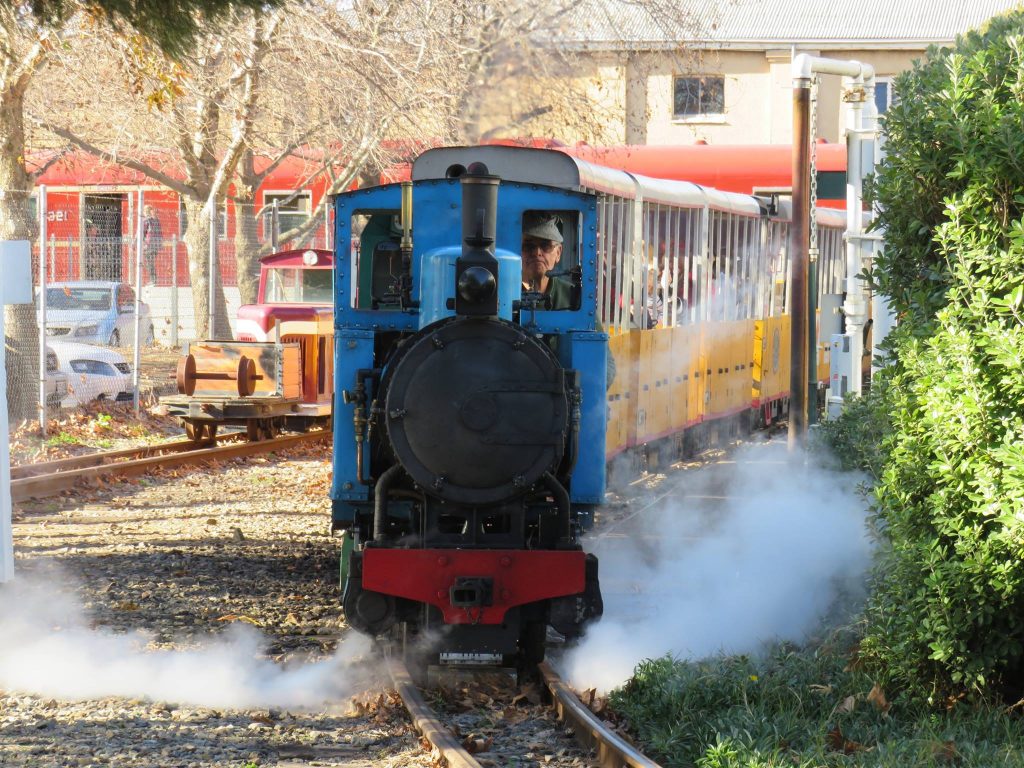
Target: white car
(56, 380)
(95, 312)
(94, 373)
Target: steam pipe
(861, 79)
(380, 501)
(799, 245)
(562, 500)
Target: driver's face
(539, 257)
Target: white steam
(754, 549)
(47, 648)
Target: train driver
(541, 251)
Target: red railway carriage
(280, 370)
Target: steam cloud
(48, 648)
(757, 548)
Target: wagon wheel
(252, 431)
(271, 428)
(200, 431)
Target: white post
(42, 309)
(15, 288)
(174, 291)
(327, 226)
(210, 332)
(137, 358)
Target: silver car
(95, 312)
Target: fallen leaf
(839, 743)
(877, 697)
(475, 744)
(848, 704)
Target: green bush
(806, 708)
(946, 615)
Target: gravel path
(145, 618)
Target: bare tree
(23, 52)
(185, 124)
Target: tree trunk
(20, 325)
(197, 241)
(247, 241)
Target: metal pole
(6, 533)
(137, 361)
(274, 232)
(53, 257)
(42, 309)
(327, 226)
(812, 334)
(174, 290)
(211, 268)
(799, 243)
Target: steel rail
(426, 722)
(612, 750)
(104, 457)
(40, 486)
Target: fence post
(137, 357)
(210, 311)
(42, 309)
(174, 290)
(274, 227)
(15, 288)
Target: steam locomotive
(474, 420)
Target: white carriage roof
(552, 168)
(526, 165)
(758, 24)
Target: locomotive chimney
(476, 271)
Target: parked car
(93, 373)
(96, 312)
(56, 380)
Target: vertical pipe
(328, 235)
(6, 536)
(211, 269)
(174, 290)
(799, 243)
(42, 309)
(137, 347)
(854, 308)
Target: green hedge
(947, 613)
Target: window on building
(292, 210)
(696, 96)
(884, 96)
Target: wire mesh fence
(121, 283)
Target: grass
(803, 708)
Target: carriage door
(102, 236)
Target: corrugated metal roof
(781, 23)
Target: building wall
(631, 97)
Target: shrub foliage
(947, 614)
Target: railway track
(610, 749)
(51, 478)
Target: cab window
(550, 250)
(377, 259)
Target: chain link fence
(120, 285)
